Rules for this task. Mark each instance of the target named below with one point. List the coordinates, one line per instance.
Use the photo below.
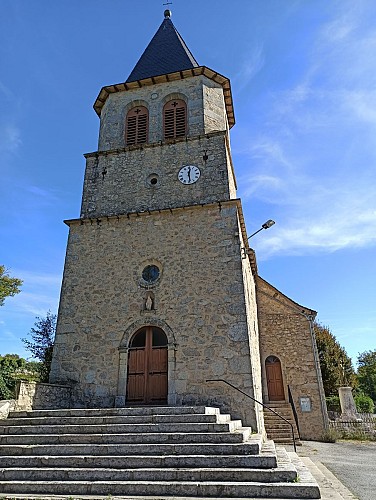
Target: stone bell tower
(158, 294)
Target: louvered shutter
(175, 119)
(137, 126)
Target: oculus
(150, 274)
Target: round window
(152, 180)
(151, 273)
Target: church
(161, 301)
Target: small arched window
(137, 126)
(175, 119)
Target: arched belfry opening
(274, 379)
(147, 377)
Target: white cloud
(250, 66)
(45, 196)
(362, 104)
(7, 334)
(338, 30)
(10, 134)
(314, 159)
(10, 138)
(38, 279)
(323, 221)
(7, 93)
(39, 293)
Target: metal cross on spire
(167, 12)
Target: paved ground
(352, 462)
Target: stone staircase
(144, 451)
(277, 429)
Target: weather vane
(168, 3)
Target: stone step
(286, 414)
(286, 440)
(280, 432)
(128, 411)
(284, 473)
(284, 427)
(198, 427)
(161, 452)
(280, 429)
(276, 419)
(277, 428)
(239, 436)
(272, 416)
(283, 437)
(251, 447)
(213, 489)
(118, 419)
(265, 460)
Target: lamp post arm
(249, 237)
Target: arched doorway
(147, 367)
(274, 379)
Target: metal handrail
(291, 401)
(259, 402)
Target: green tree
(13, 368)
(10, 364)
(364, 404)
(8, 286)
(336, 366)
(41, 345)
(367, 373)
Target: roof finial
(167, 12)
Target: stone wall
(6, 406)
(118, 182)
(364, 429)
(40, 396)
(285, 332)
(253, 333)
(199, 303)
(214, 111)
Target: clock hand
(189, 174)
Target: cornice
(171, 77)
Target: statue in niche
(149, 302)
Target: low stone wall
(355, 429)
(40, 396)
(6, 406)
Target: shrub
(329, 436)
(333, 404)
(364, 404)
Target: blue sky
(303, 75)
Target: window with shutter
(137, 126)
(175, 119)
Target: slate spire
(166, 53)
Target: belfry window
(137, 126)
(175, 119)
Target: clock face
(189, 174)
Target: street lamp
(269, 223)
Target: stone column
(122, 378)
(348, 404)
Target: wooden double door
(147, 367)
